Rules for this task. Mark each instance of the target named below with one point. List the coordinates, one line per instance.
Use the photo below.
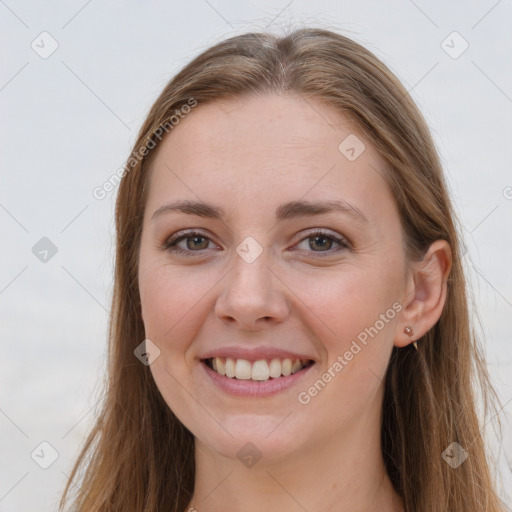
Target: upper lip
(255, 354)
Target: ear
(425, 293)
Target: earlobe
(425, 296)
(408, 330)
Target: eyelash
(170, 244)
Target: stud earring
(408, 330)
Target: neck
(345, 473)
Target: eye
(324, 241)
(192, 240)
(195, 241)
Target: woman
(289, 327)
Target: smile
(260, 370)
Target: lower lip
(252, 388)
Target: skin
(249, 156)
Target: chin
(252, 438)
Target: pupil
(195, 239)
(321, 238)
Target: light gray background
(68, 122)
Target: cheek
(167, 299)
(357, 343)
(171, 302)
(355, 315)
(175, 304)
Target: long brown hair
(138, 456)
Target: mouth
(260, 370)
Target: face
(257, 278)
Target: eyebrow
(288, 210)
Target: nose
(253, 295)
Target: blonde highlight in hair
(139, 457)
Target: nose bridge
(251, 290)
(250, 273)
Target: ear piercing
(408, 330)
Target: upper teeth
(259, 370)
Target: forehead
(268, 149)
